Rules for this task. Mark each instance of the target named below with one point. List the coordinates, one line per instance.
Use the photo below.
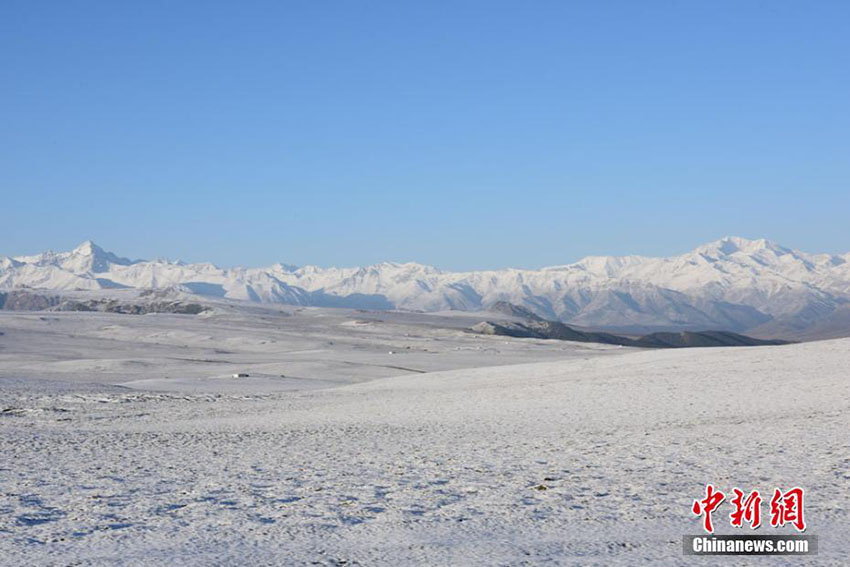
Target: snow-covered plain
(125, 439)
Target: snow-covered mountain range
(735, 284)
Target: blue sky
(459, 134)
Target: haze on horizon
(477, 135)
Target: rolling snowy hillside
(735, 284)
(582, 456)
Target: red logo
(785, 508)
(707, 505)
(746, 509)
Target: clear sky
(459, 134)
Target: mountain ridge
(733, 283)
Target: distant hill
(701, 339)
(540, 329)
(512, 310)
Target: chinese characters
(785, 508)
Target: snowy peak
(87, 248)
(85, 258)
(89, 257)
(731, 245)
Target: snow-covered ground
(280, 347)
(125, 439)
